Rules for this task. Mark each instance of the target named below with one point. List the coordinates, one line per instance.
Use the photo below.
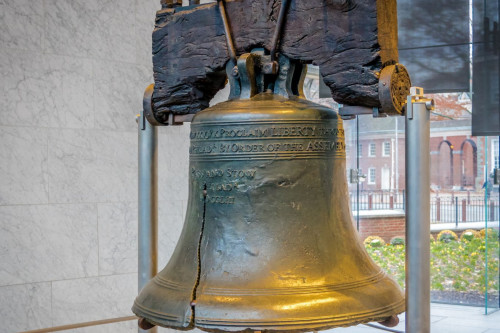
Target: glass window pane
(387, 148)
(373, 150)
(372, 175)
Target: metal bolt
(171, 3)
(429, 105)
(270, 68)
(235, 72)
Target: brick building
(457, 159)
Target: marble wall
(73, 74)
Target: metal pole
(486, 225)
(148, 198)
(358, 173)
(417, 212)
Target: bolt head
(270, 68)
(171, 3)
(235, 71)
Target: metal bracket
(348, 112)
(417, 96)
(356, 177)
(149, 115)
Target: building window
(360, 149)
(372, 150)
(371, 175)
(495, 153)
(387, 149)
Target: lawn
(457, 265)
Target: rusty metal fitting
(171, 3)
(394, 86)
(270, 68)
(391, 321)
(144, 324)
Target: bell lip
(315, 324)
(297, 323)
(161, 319)
(383, 297)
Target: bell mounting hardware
(354, 43)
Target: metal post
(498, 240)
(417, 212)
(404, 200)
(148, 198)
(358, 172)
(464, 210)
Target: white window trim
(370, 181)
(370, 149)
(383, 149)
(493, 153)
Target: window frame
(388, 144)
(495, 157)
(369, 180)
(374, 145)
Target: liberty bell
(268, 243)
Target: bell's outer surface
(277, 246)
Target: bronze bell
(268, 242)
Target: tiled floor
(446, 319)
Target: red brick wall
(440, 162)
(386, 227)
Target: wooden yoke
(354, 43)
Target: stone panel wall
(73, 75)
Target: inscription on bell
(268, 141)
(221, 183)
(229, 173)
(222, 200)
(266, 132)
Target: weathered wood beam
(350, 40)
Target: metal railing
(459, 209)
(452, 208)
(379, 200)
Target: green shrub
(492, 234)
(398, 240)
(447, 236)
(374, 241)
(469, 235)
